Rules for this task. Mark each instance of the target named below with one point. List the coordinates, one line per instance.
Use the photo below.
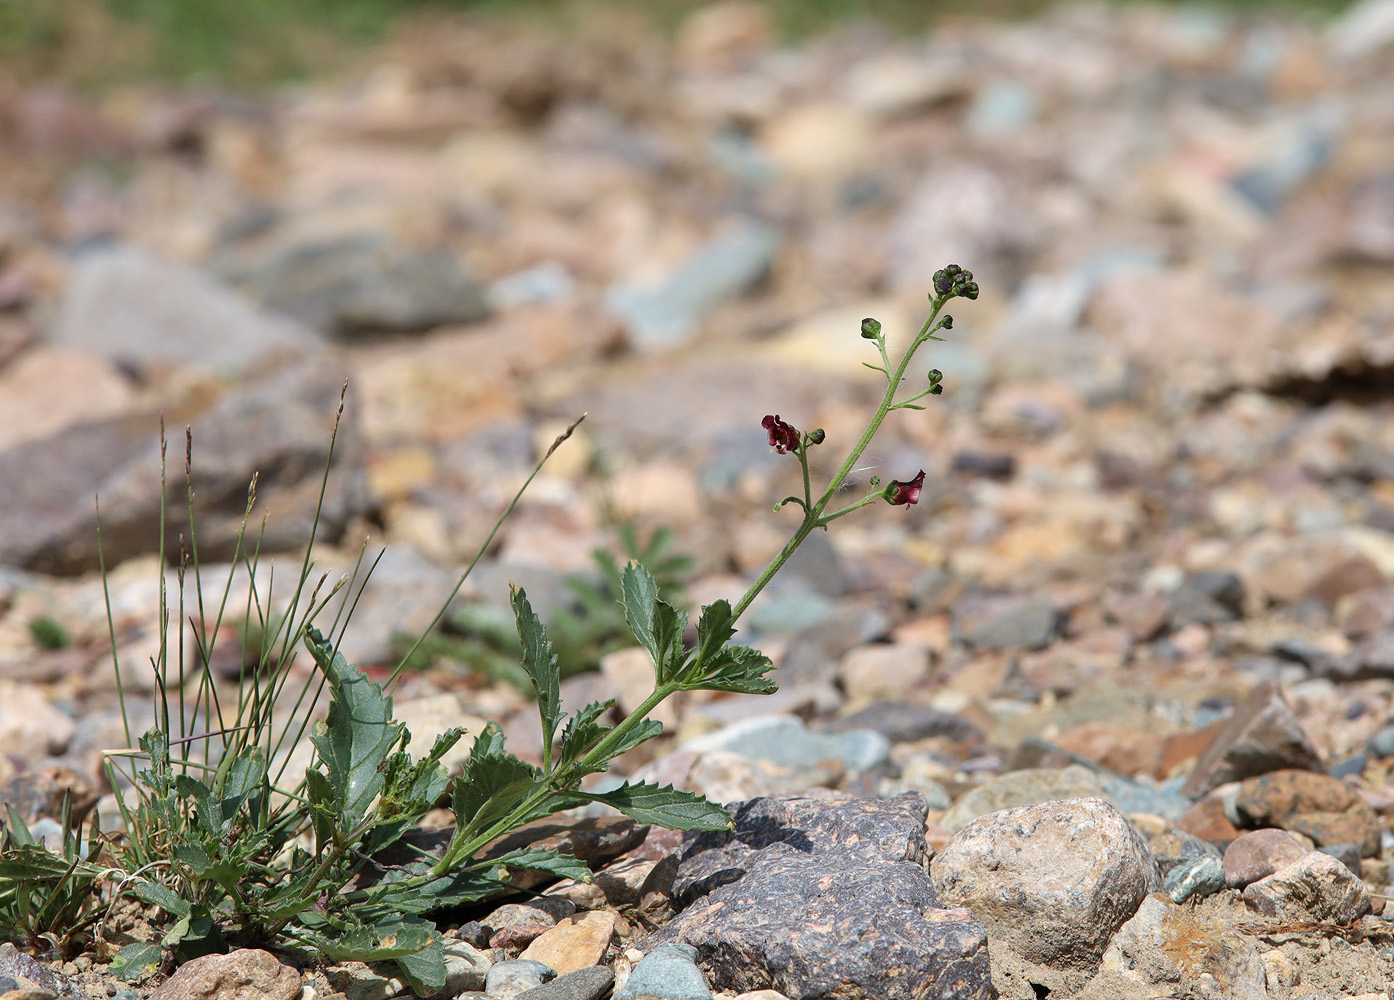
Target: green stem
(814, 516)
(556, 783)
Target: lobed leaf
(664, 806)
(733, 668)
(357, 738)
(392, 938)
(541, 665)
(584, 730)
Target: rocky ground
(1110, 713)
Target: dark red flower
(783, 437)
(898, 493)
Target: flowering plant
(235, 846)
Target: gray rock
(1052, 881)
(1314, 889)
(824, 897)
(128, 305)
(906, 722)
(278, 428)
(1262, 735)
(516, 976)
(466, 967)
(668, 972)
(1370, 658)
(360, 283)
(1139, 797)
(17, 965)
(1200, 876)
(665, 313)
(1030, 623)
(784, 740)
(1347, 854)
(583, 984)
(1173, 847)
(1022, 788)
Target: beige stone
(577, 942)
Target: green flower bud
(871, 329)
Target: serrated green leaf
(713, 629)
(136, 961)
(194, 856)
(583, 730)
(488, 785)
(669, 625)
(209, 817)
(391, 938)
(733, 668)
(638, 592)
(643, 731)
(541, 665)
(425, 970)
(162, 896)
(664, 806)
(541, 859)
(243, 780)
(358, 736)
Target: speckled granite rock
(824, 898)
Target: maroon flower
(783, 437)
(908, 492)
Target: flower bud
(947, 323)
(943, 282)
(935, 376)
(816, 436)
(871, 329)
(936, 389)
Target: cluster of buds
(954, 282)
(785, 438)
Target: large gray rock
(1262, 735)
(359, 283)
(128, 305)
(277, 429)
(1022, 788)
(825, 897)
(1051, 882)
(666, 312)
(1314, 889)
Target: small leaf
(425, 969)
(168, 899)
(583, 730)
(644, 731)
(714, 628)
(489, 785)
(194, 856)
(665, 806)
(733, 668)
(136, 961)
(541, 859)
(669, 625)
(541, 665)
(638, 594)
